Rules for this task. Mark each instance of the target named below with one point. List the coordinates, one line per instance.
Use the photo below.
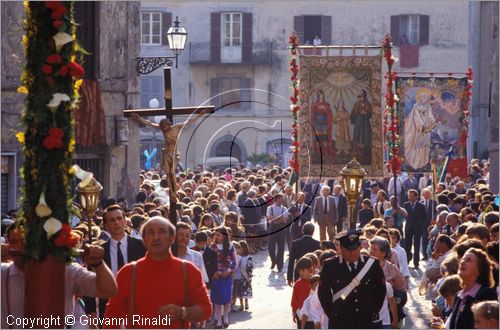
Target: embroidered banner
(340, 116)
(431, 117)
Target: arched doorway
(229, 146)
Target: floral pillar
(50, 81)
(293, 42)
(391, 119)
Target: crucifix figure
(171, 133)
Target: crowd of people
(198, 267)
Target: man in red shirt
(157, 297)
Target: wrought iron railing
(208, 52)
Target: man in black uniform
(347, 305)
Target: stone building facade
(236, 45)
(109, 31)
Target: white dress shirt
(113, 250)
(197, 259)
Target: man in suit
(359, 308)
(300, 213)
(325, 214)
(414, 227)
(121, 248)
(300, 247)
(341, 205)
(430, 214)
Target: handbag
(132, 292)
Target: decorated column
(293, 42)
(50, 81)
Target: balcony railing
(246, 53)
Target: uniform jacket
(362, 305)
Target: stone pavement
(270, 305)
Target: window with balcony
(151, 28)
(231, 37)
(410, 29)
(231, 30)
(308, 27)
(231, 93)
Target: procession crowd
(198, 269)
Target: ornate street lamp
(352, 176)
(89, 189)
(176, 37)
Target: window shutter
(395, 30)
(298, 26)
(245, 94)
(326, 30)
(423, 33)
(215, 91)
(215, 42)
(247, 38)
(166, 23)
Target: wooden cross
(169, 112)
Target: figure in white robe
(418, 127)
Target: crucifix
(171, 133)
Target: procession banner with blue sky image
(340, 117)
(431, 113)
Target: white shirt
(384, 311)
(423, 182)
(113, 250)
(306, 307)
(316, 41)
(78, 281)
(402, 259)
(197, 259)
(327, 204)
(390, 186)
(317, 313)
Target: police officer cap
(349, 239)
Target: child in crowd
(246, 268)
(447, 292)
(237, 279)
(485, 315)
(366, 212)
(306, 312)
(301, 288)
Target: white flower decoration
(61, 39)
(85, 176)
(52, 226)
(57, 98)
(42, 210)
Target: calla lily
(42, 210)
(83, 175)
(57, 98)
(52, 226)
(61, 39)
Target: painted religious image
(341, 98)
(432, 115)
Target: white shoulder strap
(345, 292)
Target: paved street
(270, 307)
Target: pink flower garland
(293, 41)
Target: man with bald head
(162, 286)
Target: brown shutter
(326, 30)
(423, 33)
(298, 26)
(215, 91)
(247, 38)
(166, 23)
(395, 30)
(215, 37)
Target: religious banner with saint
(431, 122)
(340, 117)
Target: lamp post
(176, 37)
(89, 189)
(352, 176)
